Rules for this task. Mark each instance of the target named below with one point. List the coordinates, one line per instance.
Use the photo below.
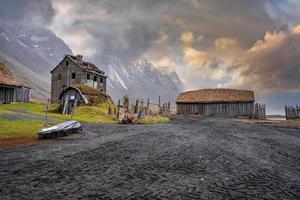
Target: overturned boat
(60, 130)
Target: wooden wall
(61, 78)
(216, 109)
(10, 94)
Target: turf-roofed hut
(216, 102)
(81, 94)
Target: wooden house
(216, 102)
(74, 70)
(11, 89)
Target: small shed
(14, 93)
(216, 102)
(82, 95)
(11, 89)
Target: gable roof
(215, 95)
(90, 67)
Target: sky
(242, 44)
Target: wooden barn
(74, 70)
(216, 102)
(11, 89)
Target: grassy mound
(21, 127)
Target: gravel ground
(188, 158)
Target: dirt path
(185, 159)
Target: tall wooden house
(73, 70)
(216, 102)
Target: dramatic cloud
(224, 43)
(26, 11)
(198, 60)
(211, 43)
(271, 64)
(187, 37)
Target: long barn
(216, 102)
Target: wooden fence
(141, 109)
(259, 111)
(292, 112)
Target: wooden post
(118, 113)
(74, 108)
(65, 106)
(148, 103)
(159, 107)
(46, 115)
(136, 108)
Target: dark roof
(216, 95)
(90, 67)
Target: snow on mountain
(31, 52)
(139, 79)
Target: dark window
(101, 80)
(73, 75)
(59, 76)
(95, 78)
(88, 77)
(67, 63)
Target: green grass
(154, 120)
(96, 113)
(29, 128)
(19, 128)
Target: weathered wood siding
(216, 109)
(10, 94)
(71, 95)
(62, 78)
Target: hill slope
(30, 53)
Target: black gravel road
(188, 158)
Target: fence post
(74, 108)
(118, 113)
(159, 107)
(46, 115)
(136, 108)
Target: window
(67, 63)
(59, 76)
(73, 75)
(95, 78)
(88, 76)
(101, 80)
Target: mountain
(139, 79)
(31, 52)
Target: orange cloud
(223, 43)
(187, 37)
